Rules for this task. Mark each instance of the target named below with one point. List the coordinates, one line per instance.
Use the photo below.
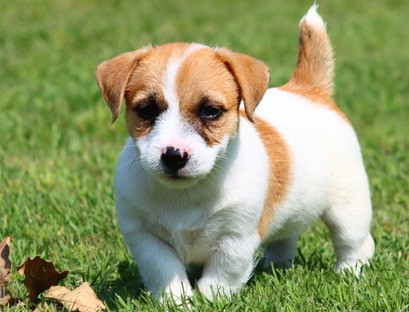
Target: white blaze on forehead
(172, 69)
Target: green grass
(58, 150)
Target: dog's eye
(148, 110)
(210, 112)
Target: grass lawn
(58, 149)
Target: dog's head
(182, 104)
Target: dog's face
(182, 104)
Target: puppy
(201, 180)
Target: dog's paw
(178, 294)
(354, 268)
(360, 258)
(213, 290)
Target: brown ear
(113, 75)
(251, 76)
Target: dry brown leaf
(82, 299)
(40, 275)
(5, 272)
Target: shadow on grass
(128, 286)
(315, 261)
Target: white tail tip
(313, 18)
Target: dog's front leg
(229, 266)
(161, 268)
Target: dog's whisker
(125, 163)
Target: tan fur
(313, 75)
(146, 80)
(315, 66)
(222, 76)
(280, 172)
(113, 74)
(252, 77)
(279, 167)
(203, 78)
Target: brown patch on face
(280, 171)
(145, 86)
(204, 81)
(142, 113)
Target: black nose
(173, 159)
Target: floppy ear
(113, 75)
(251, 76)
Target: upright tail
(315, 66)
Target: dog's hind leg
(349, 221)
(281, 252)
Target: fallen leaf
(82, 298)
(5, 272)
(40, 275)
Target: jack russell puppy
(205, 178)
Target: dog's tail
(315, 66)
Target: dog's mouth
(178, 179)
(174, 176)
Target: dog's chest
(192, 245)
(189, 231)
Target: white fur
(329, 179)
(211, 222)
(171, 72)
(313, 18)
